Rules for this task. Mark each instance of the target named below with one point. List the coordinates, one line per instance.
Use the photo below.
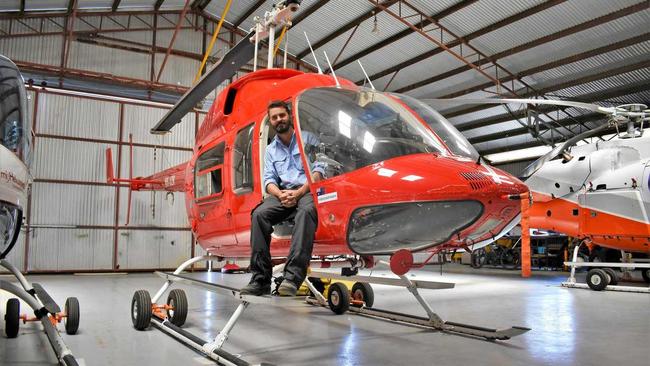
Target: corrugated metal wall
(76, 221)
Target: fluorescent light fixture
(345, 122)
(368, 141)
(386, 172)
(529, 153)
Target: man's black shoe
(256, 289)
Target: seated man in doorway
(286, 183)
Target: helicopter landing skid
(432, 322)
(45, 310)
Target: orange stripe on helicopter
(605, 229)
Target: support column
(525, 234)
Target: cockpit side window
(208, 173)
(242, 162)
(14, 122)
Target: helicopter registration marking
(328, 197)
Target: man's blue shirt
(283, 164)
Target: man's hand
(290, 197)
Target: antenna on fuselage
(258, 30)
(364, 73)
(286, 47)
(320, 71)
(331, 69)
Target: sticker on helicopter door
(327, 197)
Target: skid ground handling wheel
(177, 307)
(71, 321)
(141, 309)
(363, 292)
(12, 318)
(597, 279)
(338, 298)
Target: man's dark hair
(277, 104)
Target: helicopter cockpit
(355, 129)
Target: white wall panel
(17, 254)
(109, 61)
(178, 70)
(167, 214)
(30, 104)
(70, 249)
(143, 160)
(139, 120)
(78, 117)
(70, 204)
(42, 50)
(199, 251)
(71, 160)
(175, 248)
(144, 249)
(186, 39)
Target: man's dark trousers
(270, 213)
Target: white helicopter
(597, 192)
(15, 181)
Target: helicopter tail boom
(171, 180)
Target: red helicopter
(399, 178)
(398, 175)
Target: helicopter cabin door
(214, 214)
(244, 198)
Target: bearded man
(288, 196)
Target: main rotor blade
(232, 61)
(565, 103)
(559, 149)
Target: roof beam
(567, 84)
(551, 65)
(248, 13)
(116, 4)
(404, 33)
(71, 6)
(535, 143)
(502, 23)
(586, 98)
(537, 42)
(158, 4)
(352, 24)
(200, 5)
(565, 122)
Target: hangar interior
(101, 74)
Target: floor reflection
(552, 317)
(349, 353)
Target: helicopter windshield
(353, 129)
(454, 140)
(14, 122)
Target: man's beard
(282, 127)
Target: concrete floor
(569, 326)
